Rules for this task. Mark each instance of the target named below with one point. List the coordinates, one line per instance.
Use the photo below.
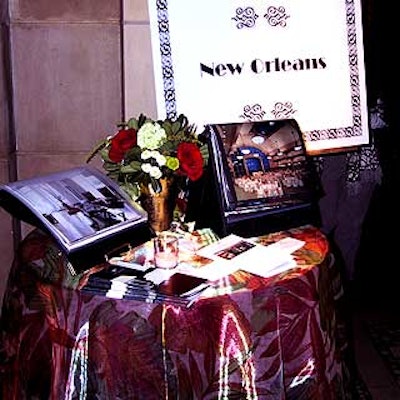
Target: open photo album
(261, 168)
(82, 209)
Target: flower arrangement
(143, 152)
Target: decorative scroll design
(276, 16)
(356, 128)
(283, 110)
(166, 59)
(253, 113)
(245, 17)
(326, 134)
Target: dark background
(378, 270)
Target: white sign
(230, 61)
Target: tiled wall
(68, 85)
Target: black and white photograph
(77, 205)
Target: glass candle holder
(166, 251)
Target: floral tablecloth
(277, 338)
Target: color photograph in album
(263, 164)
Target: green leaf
(167, 127)
(104, 155)
(205, 153)
(168, 148)
(133, 123)
(133, 153)
(114, 175)
(111, 167)
(176, 126)
(128, 169)
(131, 189)
(136, 165)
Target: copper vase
(159, 206)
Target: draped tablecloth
(274, 338)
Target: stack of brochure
(121, 283)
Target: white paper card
(240, 253)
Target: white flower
(151, 136)
(146, 154)
(146, 167)
(152, 170)
(155, 155)
(161, 160)
(155, 172)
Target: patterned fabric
(276, 338)
(363, 166)
(364, 163)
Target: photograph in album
(262, 164)
(260, 178)
(81, 208)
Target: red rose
(122, 141)
(190, 160)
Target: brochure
(234, 252)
